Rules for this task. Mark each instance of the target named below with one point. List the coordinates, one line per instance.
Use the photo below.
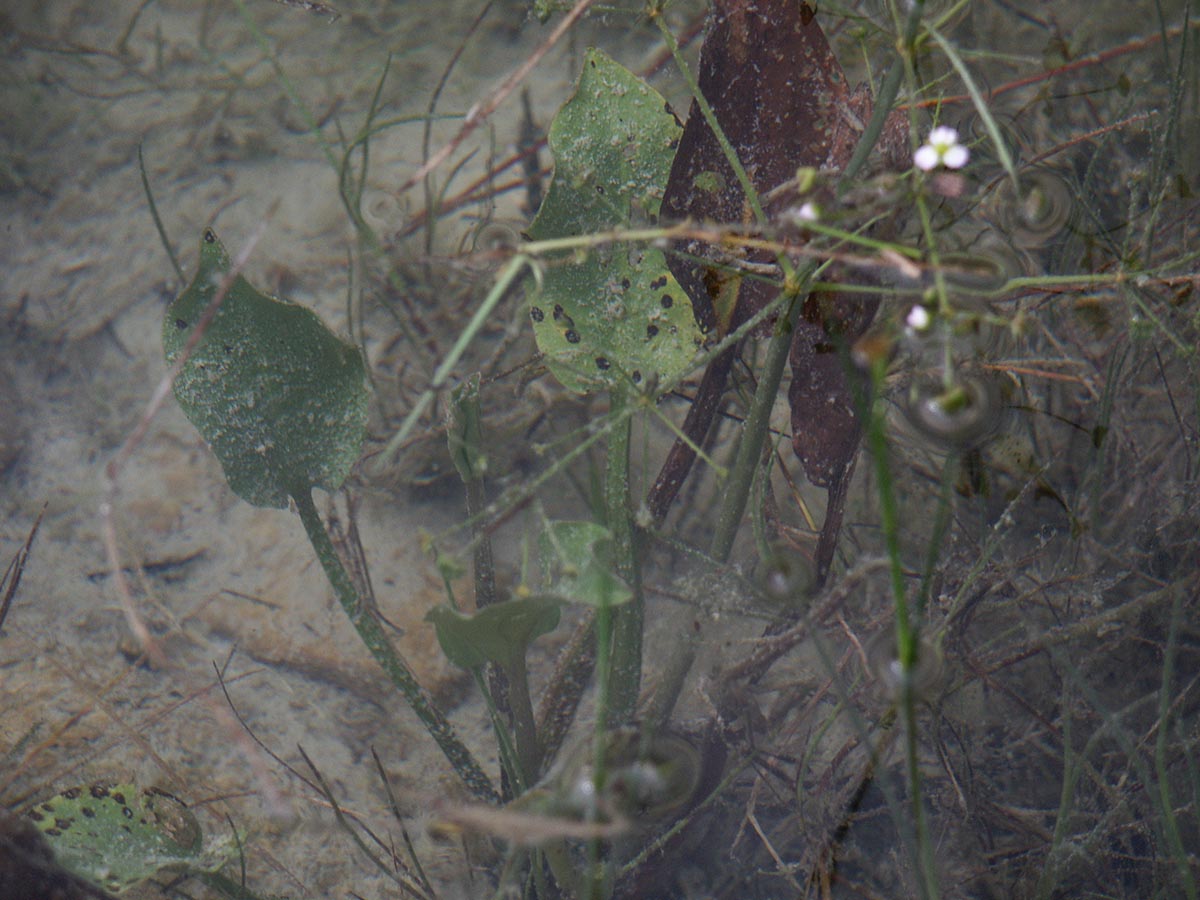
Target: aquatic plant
(657, 250)
(812, 273)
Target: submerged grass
(1055, 754)
(1023, 478)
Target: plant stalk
(754, 431)
(906, 633)
(529, 753)
(627, 619)
(376, 641)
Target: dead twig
(479, 113)
(12, 575)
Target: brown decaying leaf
(781, 98)
(825, 429)
(779, 94)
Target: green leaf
(117, 835)
(578, 554)
(499, 633)
(615, 315)
(281, 400)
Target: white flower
(808, 212)
(943, 149)
(917, 319)
(804, 214)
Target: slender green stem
(889, 521)
(1170, 824)
(906, 634)
(882, 109)
(754, 432)
(529, 753)
(508, 687)
(376, 641)
(926, 869)
(289, 87)
(618, 629)
(604, 633)
(889, 88)
(353, 202)
(941, 522)
(981, 107)
(483, 314)
(715, 234)
(866, 242)
(626, 676)
(509, 760)
(1072, 767)
(464, 432)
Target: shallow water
(1056, 739)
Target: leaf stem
(604, 634)
(1179, 854)
(376, 641)
(754, 432)
(626, 676)
(906, 631)
(529, 752)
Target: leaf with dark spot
(116, 836)
(611, 146)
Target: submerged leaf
(781, 99)
(281, 400)
(117, 835)
(577, 554)
(499, 633)
(616, 315)
(825, 426)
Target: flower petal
(955, 157)
(926, 158)
(943, 136)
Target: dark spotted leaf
(28, 867)
(117, 835)
(615, 315)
